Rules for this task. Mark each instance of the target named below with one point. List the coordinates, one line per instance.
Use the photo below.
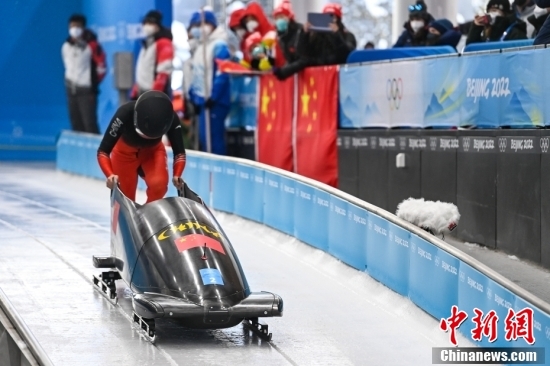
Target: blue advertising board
(433, 278)
(311, 215)
(249, 192)
(223, 185)
(347, 239)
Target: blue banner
(541, 327)
(347, 240)
(223, 181)
(443, 92)
(472, 293)
(244, 102)
(354, 112)
(272, 197)
(249, 192)
(311, 215)
(433, 278)
(397, 259)
(377, 249)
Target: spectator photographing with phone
(327, 42)
(499, 24)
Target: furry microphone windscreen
(438, 217)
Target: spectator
(442, 33)
(369, 46)
(499, 24)
(416, 28)
(322, 48)
(288, 31)
(236, 26)
(85, 68)
(543, 36)
(154, 63)
(210, 89)
(255, 20)
(524, 9)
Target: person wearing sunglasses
(416, 28)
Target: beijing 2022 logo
(394, 92)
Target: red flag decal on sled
(197, 240)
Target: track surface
(51, 223)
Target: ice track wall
(431, 273)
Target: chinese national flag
(317, 124)
(275, 122)
(198, 240)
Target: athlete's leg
(154, 164)
(125, 164)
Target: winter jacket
(288, 41)
(84, 61)
(257, 12)
(524, 15)
(154, 63)
(543, 37)
(218, 84)
(449, 38)
(319, 49)
(505, 29)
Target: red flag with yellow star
(187, 242)
(274, 130)
(316, 154)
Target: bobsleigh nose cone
(278, 306)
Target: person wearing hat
(132, 146)
(416, 28)
(288, 31)
(499, 24)
(154, 63)
(210, 90)
(85, 67)
(321, 48)
(442, 33)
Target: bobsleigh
(178, 263)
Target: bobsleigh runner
(178, 263)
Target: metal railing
(21, 348)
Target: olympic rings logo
(502, 142)
(394, 92)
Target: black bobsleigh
(178, 262)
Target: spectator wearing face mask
(288, 31)
(416, 28)
(210, 89)
(154, 63)
(442, 33)
(85, 68)
(255, 20)
(524, 9)
(236, 26)
(322, 48)
(499, 24)
(543, 7)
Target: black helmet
(153, 114)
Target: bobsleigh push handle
(186, 192)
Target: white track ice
(51, 223)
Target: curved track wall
(434, 275)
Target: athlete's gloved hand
(112, 181)
(178, 182)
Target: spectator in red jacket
(154, 64)
(85, 68)
(255, 20)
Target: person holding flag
(210, 89)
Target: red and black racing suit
(123, 152)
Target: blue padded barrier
(413, 263)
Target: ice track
(51, 223)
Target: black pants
(83, 109)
